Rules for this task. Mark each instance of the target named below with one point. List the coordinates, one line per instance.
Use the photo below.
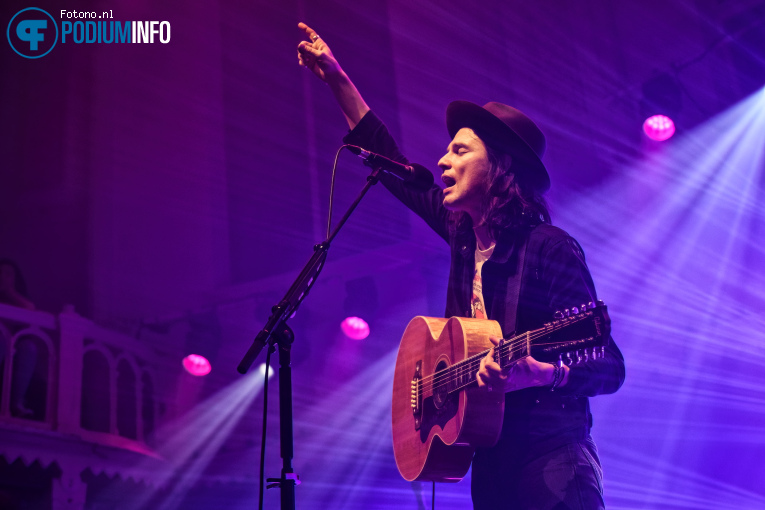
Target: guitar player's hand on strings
(525, 373)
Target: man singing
(508, 264)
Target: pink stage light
(659, 127)
(355, 328)
(196, 365)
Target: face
(465, 170)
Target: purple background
(142, 182)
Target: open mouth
(449, 181)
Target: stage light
(661, 102)
(684, 226)
(361, 300)
(196, 365)
(343, 422)
(262, 370)
(202, 342)
(186, 447)
(659, 127)
(355, 328)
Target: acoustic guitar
(439, 414)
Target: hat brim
(499, 136)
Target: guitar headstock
(576, 335)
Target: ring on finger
(314, 37)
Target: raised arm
(314, 54)
(370, 133)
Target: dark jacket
(555, 277)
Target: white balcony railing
(88, 387)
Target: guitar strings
(467, 366)
(464, 369)
(444, 377)
(511, 343)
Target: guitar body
(435, 431)
(439, 415)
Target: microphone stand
(278, 335)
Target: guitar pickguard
(437, 416)
(435, 410)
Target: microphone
(415, 176)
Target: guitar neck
(576, 336)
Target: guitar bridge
(417, 390)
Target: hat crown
(523, 126)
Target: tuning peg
(583, 308)
(578, 357)
(567, 312)
(600, 302)
(575, 311)
(558, 315)
(590, 305)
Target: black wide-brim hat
(506, 129)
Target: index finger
(309, 32)
(489, 358)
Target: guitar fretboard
(462, 374)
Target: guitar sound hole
(440, 391)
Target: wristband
(558, 374)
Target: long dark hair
(510, 202)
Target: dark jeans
(569, 477)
